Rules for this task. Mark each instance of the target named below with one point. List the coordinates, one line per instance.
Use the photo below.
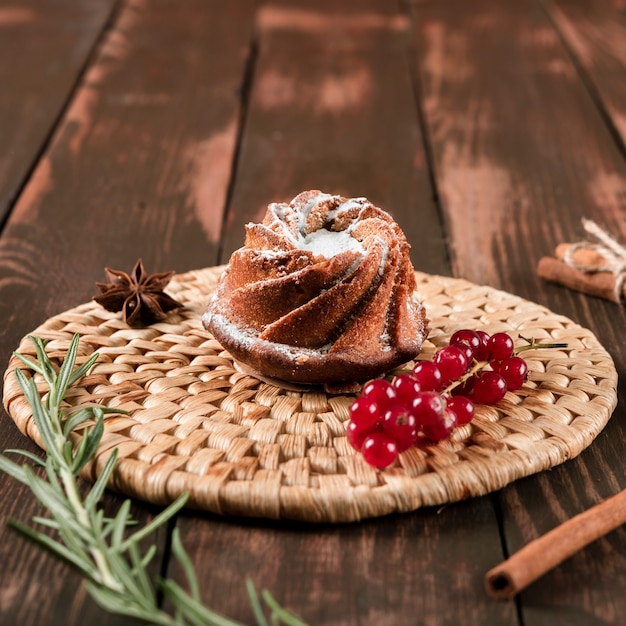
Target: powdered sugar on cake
(318, 235)
(322, 292)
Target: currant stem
(478, 365)
(534, 344)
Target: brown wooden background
(157, 128)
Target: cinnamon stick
(599, 284)
(541, 555)
(556, 270)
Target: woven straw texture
(244, 447)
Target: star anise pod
(138, 295)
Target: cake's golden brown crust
(323, 291)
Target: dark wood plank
(332, 107)
(595, 33)
(139, 166)
(398, 571)
(43, 49)
(521, 153)
(507, 132)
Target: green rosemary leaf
(158, 521)
(97, 489)
(29, 455)
(139, 565)
(56, 548)
(76, 535)
(146, 559)
(45, 364)
(129, 583)
(53, 478)
(68, 452)
(179, 620)
(256, 604)
(76, 540)
(183, 558)
(47, 494)
(30, 364)
(14, 469)
(46, 521)
(115, 570)
(64, 376)
(78, 457)
(193, 610)
(77, 419)
(114, 602)
(119, 524)
(89, 413)
(96, 517)
(42, 420)
(281, 615)
(83, 369)
(93, 438)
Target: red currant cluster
(436, 397)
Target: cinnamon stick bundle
(597, 283)
(594, 268)
(541, 555)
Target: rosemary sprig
(102, 549)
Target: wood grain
(522, 105)
(507, 114)
(44, 47)
(521, 153)
(138, 167)
(332, 107)
(595, 33)
(396, 571)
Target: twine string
(613, 253)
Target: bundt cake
(321, 292)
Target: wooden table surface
(158, 128)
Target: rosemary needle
(105, 551)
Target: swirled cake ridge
(323, 291)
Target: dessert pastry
(321, 292)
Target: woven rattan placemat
(240, 446)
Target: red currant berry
(463, 408)
(500, 347)
(452, 362)
(381, 392)
(482, 353)
(405, 387)
(428, 376)
(379, 450)
(488, 388)
(467, 349)
(436, 431)
(356, 434)
(514, 371)
(468, 337)
(365, 413)
(428, 407)
(401, 426)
